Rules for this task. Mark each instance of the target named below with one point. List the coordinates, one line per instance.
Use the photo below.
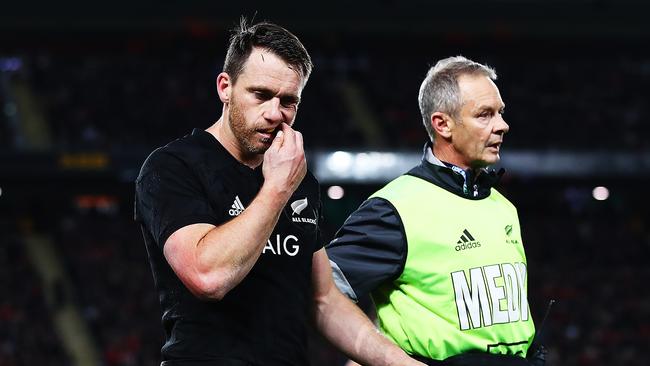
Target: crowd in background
(588, 255)
(27, 334)
(118, 94)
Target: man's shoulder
(188, 147)
(496, 195)
(310, 180)
(399, 186)
(186, 152)
(164, 155)
(309, 187)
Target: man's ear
(442, 124)
(224, 87)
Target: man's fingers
(285, 127)
(299, 141)
(277, 141)
(289, 139)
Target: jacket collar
(464, 183)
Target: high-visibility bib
(464, 284)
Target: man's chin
(484, 163)
(260, 148)
(492, 160)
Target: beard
(246, 136)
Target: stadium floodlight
(372, 167)
(362, 167)
(600, 193)
(335, 192)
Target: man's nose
(501, 127)
(272, 111)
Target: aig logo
(287, 245)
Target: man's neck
(440, 156)
(222, 132)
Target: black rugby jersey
(263, 320)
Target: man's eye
(261, 95)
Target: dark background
(87, 90)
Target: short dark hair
(270, 37)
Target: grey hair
(439, 91)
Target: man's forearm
(229, 251)
(350, 330)
(211, 260)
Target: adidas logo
(467, 241)
(236, 208)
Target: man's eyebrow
(260, 88)
(488, 107)
(291, 99)
(270, 92)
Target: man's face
(266, 94)
(479, 128)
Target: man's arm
(368, 250)
(346, 326)
(211, 260)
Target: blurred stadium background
(88, 90)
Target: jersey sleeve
(321, 220)
(169, 196)
(369, 249)
(318, 245)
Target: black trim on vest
(405, 246)
(445, 177)
(476, 359)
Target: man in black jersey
(230, 217)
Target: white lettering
(294, 246)
(484, 300)
(521, 276)
(304, 220)
(497, 293)
(462, 291)
(269, 246)
(512, 289)
(471, 303)
(282, 246)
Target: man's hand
(284, 164)
(346, 326)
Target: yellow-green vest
(464, 284)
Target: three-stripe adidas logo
(236, 208)
(467, 241)
(465, 237)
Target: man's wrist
(274, 196)
(398, 357)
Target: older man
(439, 249)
